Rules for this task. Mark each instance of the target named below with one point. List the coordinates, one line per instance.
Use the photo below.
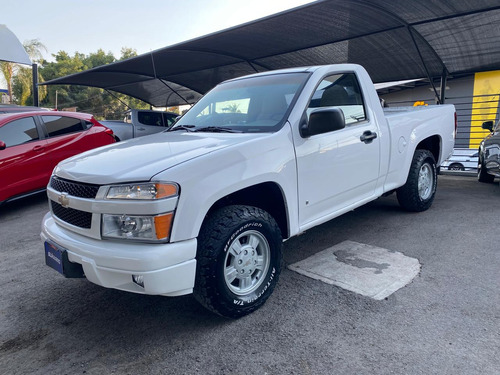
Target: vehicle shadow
(34, 201)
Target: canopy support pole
(424, 64)
(34, 70)
(253, 66)
(444, 77)
(175, 92)
(116, 97)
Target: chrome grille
(75, 189)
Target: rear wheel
(417, 194)
(482, 175)
(238, 260)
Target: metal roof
(393, 40)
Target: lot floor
(446, 321)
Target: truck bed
(408, 125)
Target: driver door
(339, 168)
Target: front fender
(205, 180)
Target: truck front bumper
(166, 269)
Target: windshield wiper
(217, 129)
(189, 128)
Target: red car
(32, 143)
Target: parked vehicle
(489, 154)
(32, 143)
(461, 160)
(204, 207)
(9, 108)
(139, 122)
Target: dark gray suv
(489, 154)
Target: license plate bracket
(56, 257)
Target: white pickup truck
(140, 122)
(204, 207)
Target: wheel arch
(417, 194)
(267, 195)
(432, 144)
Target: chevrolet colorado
(204, 207)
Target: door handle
(141, 129)
(368, 136)
(38, 148)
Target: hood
(141, 158)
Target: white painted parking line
(367, 270)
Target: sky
(145, 25)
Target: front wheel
(238, 260)
(417, 194)
(482, 175)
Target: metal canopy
(11, 48)
(393, 40)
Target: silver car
(462, 159)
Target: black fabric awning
(393, 40)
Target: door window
(60, 125)
(169, 119)
(342, 91)
(19, 131)
(150, 118)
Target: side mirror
(3, 146)
(488, 125)
(323, 120)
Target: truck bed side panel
(122, 130)
(408, 126)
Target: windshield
(256, 104)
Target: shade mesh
(393, 40)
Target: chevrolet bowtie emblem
(63, 200)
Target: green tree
(23, 80)
(127, 53)
(97, 59)
(34, 49)
(7, 69)
(19, 78)
(63, 65)
(22, 84)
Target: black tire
(456, 167)
(417, 194)
(482, 175)
(238, 260)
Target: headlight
(152, 228)
(148, 191)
